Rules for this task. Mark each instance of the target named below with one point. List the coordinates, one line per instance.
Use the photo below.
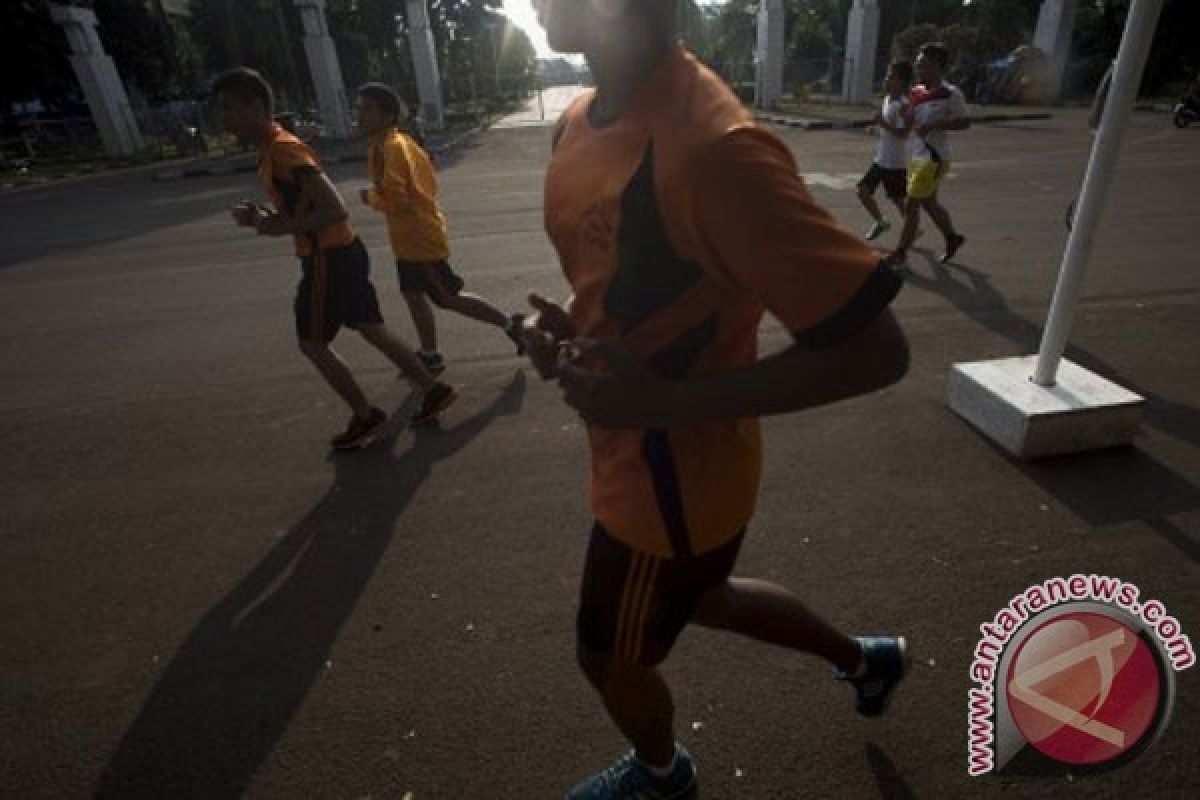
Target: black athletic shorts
(635, 605)
(336, 290)
(895, 181)
(435, 278)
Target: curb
(350, 158)
(811, 124)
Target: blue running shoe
(886, 660)
(629, 779)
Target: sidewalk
(820, 116)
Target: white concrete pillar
(425, 65)
(862, 36)
(1056, 22)
(324, 67)
(97, 76)
(768, 54)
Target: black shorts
(895, 181)
(435, 278)
(635, 605)
(336, 290)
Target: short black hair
(903, 70)
(246, 85)
(937, 51)
(385, 97)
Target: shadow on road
(229, 693)
(891, 783)
(1106, 487)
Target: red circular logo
(1083, 688)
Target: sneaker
(433, 361)
(513, 331)
(360, 431)
(436, 400)
(878, 229)
(886, 661)
(952, 244)
(630, 779)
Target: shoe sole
(432, 414)
(362, 442)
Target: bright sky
(522, 14)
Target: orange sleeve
(290, 160)
(756, 223)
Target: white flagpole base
(1081, 411)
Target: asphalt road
(198, 602)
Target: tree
(134, 36)
(33, 56)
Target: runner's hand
(627, 395)
(542, 350)
(273, 225)
(546, 332)
(245, 214)
(551, 318)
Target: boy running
(891, 156)
(677, 222)
(935, 107)
(335, 289)
(404, 188)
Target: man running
(404, 189)
(935, 107)
(890, 166)
(677, 223)
(335, 289)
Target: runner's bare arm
(631, 395)
(322, 206)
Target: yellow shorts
(924, 177)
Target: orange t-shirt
(282, 161)
(677, 225)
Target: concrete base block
(1082, 411)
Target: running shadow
(972, 292)
(892, 785)
(229, 693)
(1104, 488)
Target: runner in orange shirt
(335, 289)
(678, 223)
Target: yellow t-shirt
(404, 188)
(677, 226)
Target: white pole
(1131, 59)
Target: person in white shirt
(891, 156)
(935, 107)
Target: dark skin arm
(631, 395)
(322, 203)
